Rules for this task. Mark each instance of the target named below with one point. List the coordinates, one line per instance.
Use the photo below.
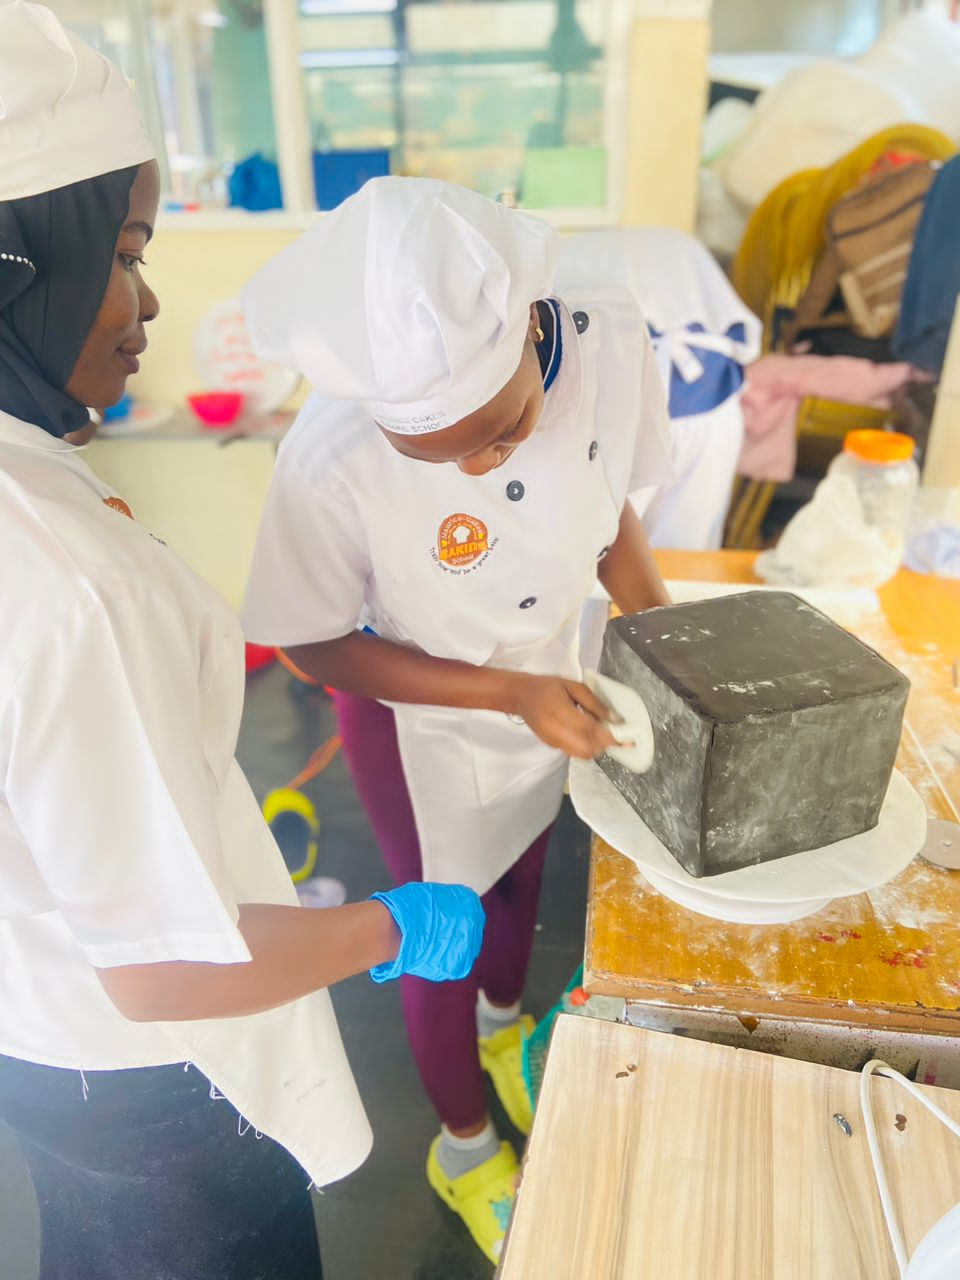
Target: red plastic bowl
(217, 408)
(259, 656)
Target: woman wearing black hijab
(51, 367)
(162, 997)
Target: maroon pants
(441, 1016)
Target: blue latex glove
(441, 931)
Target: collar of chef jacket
(27, 436)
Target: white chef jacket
(680, 287)
(492, 570)
(690, 513)
(128, 834)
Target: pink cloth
(775, 386)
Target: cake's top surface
(755, 653)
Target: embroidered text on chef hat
(66, 113)
(413, 297)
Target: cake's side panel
(669, 796)
(780, 784)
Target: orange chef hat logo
(462, 540)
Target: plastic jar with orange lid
(882, 466)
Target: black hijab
(56, 255)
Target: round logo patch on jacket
(462, 541)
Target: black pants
(148, 1178)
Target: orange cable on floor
(320, 760)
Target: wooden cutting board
(656, 1157)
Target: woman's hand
(441, 931)
(562, 713)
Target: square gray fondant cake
(775, 730)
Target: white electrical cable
(866, 1108)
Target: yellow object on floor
(483, 1197)
(296, 813)
(501, 1056)
(291, 816)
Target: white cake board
(733, 910)
(771, 892)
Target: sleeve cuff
(392, 968)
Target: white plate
(706, 903)
(838, 870)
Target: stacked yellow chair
(772, 270)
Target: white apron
(482, 785)
(677, 283)
(690, 514)
(491, 570)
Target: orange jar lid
(879, 446)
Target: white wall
(797, 26)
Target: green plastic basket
(536, 1044)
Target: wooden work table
(887, 960)
(654, 1157)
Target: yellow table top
(890, 958)
(657, 1156)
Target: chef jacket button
(603, 553)
(515, 490)
(594, 448)
(582, 321)
(528, 603)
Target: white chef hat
(66, 113)
(413, 297)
